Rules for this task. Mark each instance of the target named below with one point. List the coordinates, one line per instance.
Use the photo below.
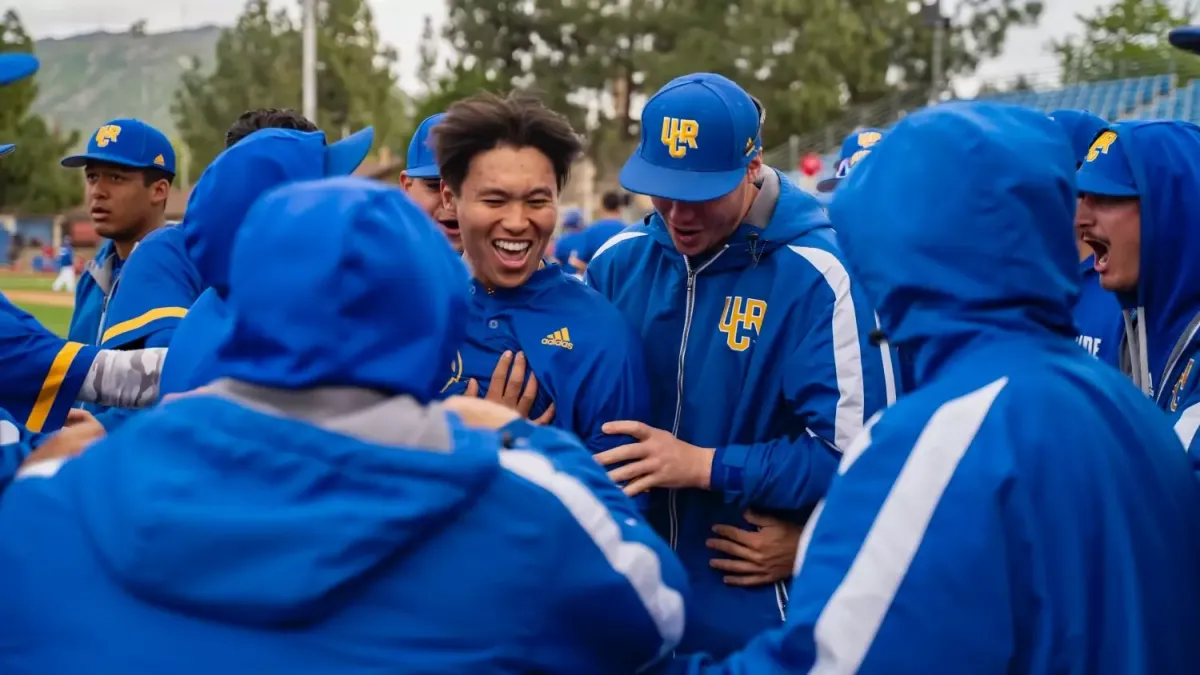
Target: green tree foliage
(31, 179)
(258, 65)
(1127, 39)
(807, 60)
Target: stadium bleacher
(1146, 97)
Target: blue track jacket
(586, 357)
(1021, 509)
(314, 512)
(43, 373)
(1098, 317)
(1162, 334)
(762, 352)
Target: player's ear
(448, 201)
(405, 181)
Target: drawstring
(1137, 351)
(1145, 352)
(754, 252)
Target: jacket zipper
(689, 306)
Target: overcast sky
(399, 22)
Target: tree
(257, 65)
(31, 179)
(1127, 39)
(597, 60)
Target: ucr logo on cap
(679, 135)
(1101, 145)
(107, 134)
(868, 138)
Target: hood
(960, 222)
(1164, 158)
(229, 186)
(781, 214)
(343, 282)
(264, 520)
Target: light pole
(932, 13)
(309, 61)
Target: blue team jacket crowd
(989, 451)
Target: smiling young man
(421, 180)
(129, 166)
(1137, 186)
(757, 345)
(503, 163)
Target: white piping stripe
(851, 619)
(1187, 425)
(847, 357)
(614, 240)
(638, 563)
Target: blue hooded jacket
(43, 373)
(16, 443)
(1097, 315)
(309, 514)
(1161, 345)
(762, 352)
(1021, 509)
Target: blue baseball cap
(699, 133)
(573, 219)
(1186, 37)
(1105, 170)
(127, 142)
(342, 157)
(421, 161)
(1081, 127)
(13, 68)
(854, 149)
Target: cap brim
(644, 178)
(344, 156)
(828, 184)
(7, 149)
(1187, 38)
(423, 172)
(1092, 184)
(14, 67)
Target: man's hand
(756, 557)
(78, 416)
(509, 387)
(480, 413)
(658, 459)
(68, 442)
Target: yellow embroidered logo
(159, 160)
(559, 338)
(679, 135)
(856, 158)
(740, 317)
(107, 134)
(456, 371)
(868, 138)
(1101, 145)
(1179, 384)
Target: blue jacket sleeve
(158, 285)
(16, 443)
(904, 567)
(834, 381)
(43, 373)
(633, 587)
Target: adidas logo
(559, 338)
(160, 161)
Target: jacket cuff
(728, 470)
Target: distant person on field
(316, 509)
(65, 281)
(575, 251)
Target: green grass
(26, 282)
(57, 319)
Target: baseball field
(32, 293)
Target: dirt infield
(41, 298)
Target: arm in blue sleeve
(621, 602)
(903, 569)
(16, 443)
(43, 373)
(834, 380)
(113, 418)
(158, 285)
